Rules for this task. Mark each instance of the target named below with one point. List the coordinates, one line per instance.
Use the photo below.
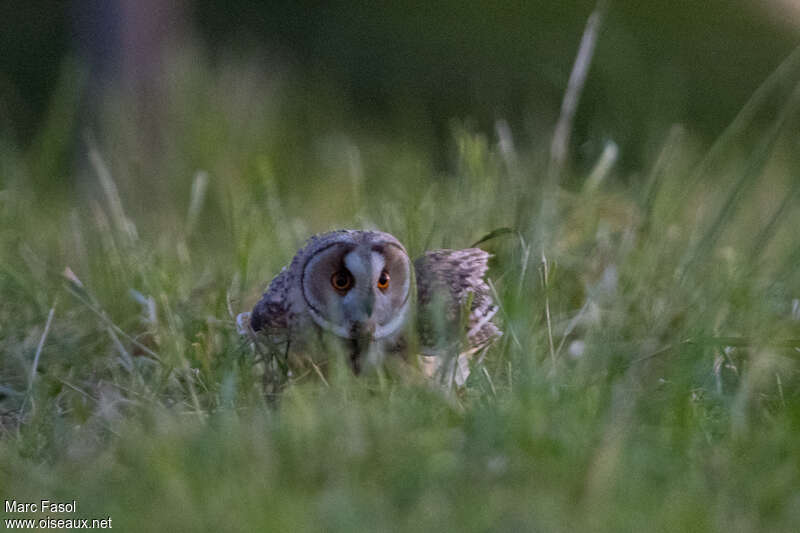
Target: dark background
(412, 68)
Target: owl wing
(271, 313)
(450, 282)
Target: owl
(359, 292)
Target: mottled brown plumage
(449, 282)
(451, 301)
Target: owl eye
(341, 280)
(383, 281)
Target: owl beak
(364, 329)
(361, 313)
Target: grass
(648, 378)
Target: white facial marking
(356, 266)
(393, 325)
(378, 262)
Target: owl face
(358, 286)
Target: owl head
(357, 284)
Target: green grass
(669, 400)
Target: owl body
(359, 293)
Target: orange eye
(383, 281)
(341, 280)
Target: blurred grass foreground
(648, 380)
